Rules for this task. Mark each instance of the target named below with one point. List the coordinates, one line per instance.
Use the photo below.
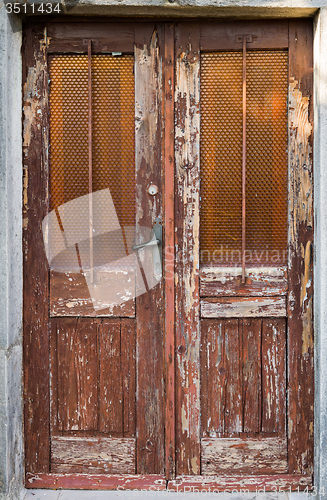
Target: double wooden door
(168, 254)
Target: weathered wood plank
(251, 385)
(244, 456)
(107, 37)
(150, 321)
(264, 282)
(110, 377)
(222, 35)
(70, 296)
(187, 129)
(35, 265)
(300, 325)
(92, 455)
(77, 357)
(128, 349)
(250, 307)
(96, 481)
(273, 376)
(168, 154)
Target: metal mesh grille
(113, 172)
(221, 158)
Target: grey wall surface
(10, 257)
(11, 434)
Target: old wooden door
(168, 333)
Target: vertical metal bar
(89, 53)
(244, 159)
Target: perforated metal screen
(113, 170)
(266, 158)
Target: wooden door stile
(300, 296)
(187, 129)
(35, 265)
(149, 53)
(169, 248)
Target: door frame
(35, 126)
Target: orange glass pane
(266, 159)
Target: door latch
(156, 243)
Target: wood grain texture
(252, 367)
(187, 129)
(273, 376)
(243, 377)
(77, 357)
(96, 481)
(244, 456)
(92, 455)
(264, 282)
(70, 296)
(250, 307)
(222, 35)
(110, 378)
(300, 322)
(128, 349)
(35, 266)
(150, 320)
(168, 154)
(71, 37)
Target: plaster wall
(11, 434)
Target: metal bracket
(249, 38)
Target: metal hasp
(244, 160)
(156, 243)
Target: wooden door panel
(243, 374)
(93, 371)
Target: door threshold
(39, 494)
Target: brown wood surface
(300, 324)
(35, 266)
(168, 154)
(273, 376)
(251, 384)
(128, 367)
(243, 307)
(92, 455)
(217, 484)
(72, 37)
(150, 451)
(187, 129)
(244, 456)
(215, 282)
(77, 363)
(110, 379)
(70, 296)
(243, 377)
(227, 35)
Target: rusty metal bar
(89, 53)
(244, 160)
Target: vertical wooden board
(110, 377)
(35, 266)
(150, 448)
(128, 349)
(233, 365)
(300, 321)
(273, 375)
(168, 154)
(213, 377)
(251, 333)
(77, 373)
(187, 158)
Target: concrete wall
(11, 437)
